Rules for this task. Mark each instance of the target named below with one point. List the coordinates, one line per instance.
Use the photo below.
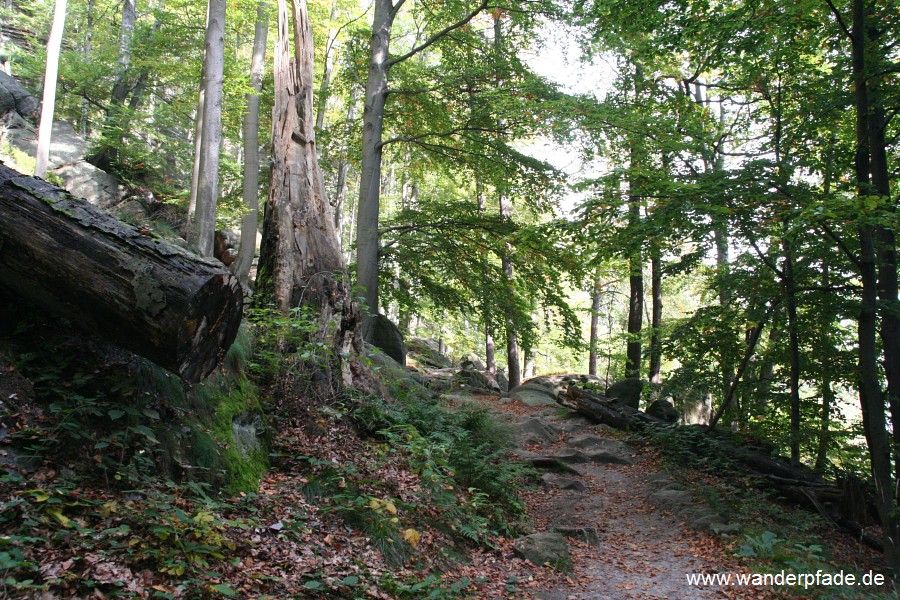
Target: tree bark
(635, 300)
(593, 353)
(656, 317)
(370, 173)
(114, 280)
(49, 100)
(126, 32)
(208, 184)
(514, 372)
(300, 260)
(251, 150)
(870, 392)
(528, 371)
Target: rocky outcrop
(543, 390)
(663, 410)
(627, 391)
(67, 152)
(387, 337)
(429, 352)
(17, 105)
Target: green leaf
(146, 432)
(224, 589)
(115, 413)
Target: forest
(303, 294)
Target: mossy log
(114, 280)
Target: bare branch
(439, 34)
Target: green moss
(203, 444)
(245, 466)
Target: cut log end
(108, 278)
(210, 327)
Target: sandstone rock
(570, 456)
(472, 361)
(428, 352)
(663, 409)
(563, 483)
(543, 390)
(13, 96)
(627, 391)
(387, 337)
(544, 549)
(539, 429)
(585, 534)
(607, 458)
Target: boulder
(570, 456)
(627, 391)
(662, 409)
(502, 381)
(607, 458)
(563, 483)
(542, 390)
(471, 361)
(66, 146)
(476, 379)
(544, 549)
(248, 429)
(587, 535)
(387, 337)
(83, 180)
(428, 352)
(538, 429)
(14, 97)
(396, 376)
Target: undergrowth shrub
(454, 451)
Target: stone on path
(544, 549)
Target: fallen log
(115, 280)
(799, 485)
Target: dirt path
(633, 548)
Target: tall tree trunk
(790, 293)
(49, 99)
(635, 258)
(656, 317)
(512, 335)
(343, 169)
(528, 371)
(870, 392)
(370, 174)
(86, 52)
(889, 305)
(198, 154)
(208, 184)
(367, 237)
(251, 150)
(596, 298)
(126, 33)
(300, 260)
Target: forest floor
(341, 515)
(643, 551)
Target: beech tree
(211, 131)
(251, 149)
(49, 101)
(376, 95)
